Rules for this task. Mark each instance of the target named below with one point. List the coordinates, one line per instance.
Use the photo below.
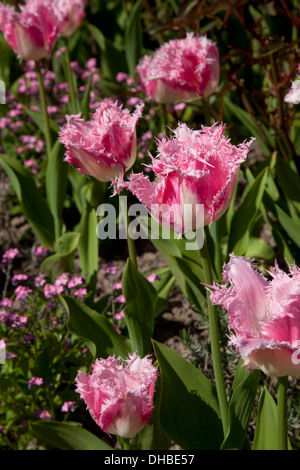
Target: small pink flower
(51, 290)
(22, 292)
(104, 147)
(75, 281)
(62, 280)
(121, 299)
(117, 286)
(196, 172)
(35, 381)
(80, 293)
(293, 95)
(152, 277)
(31, 32)
(71, 13)
(68, 406)
(41, 251)
(119, 315)
(6, 303)
(110, 268)
(119, 397)
(44, 414)
(185, 69)
(19, 278)
(263, 314)
(40, 280)
(10, 254)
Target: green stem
(215, 342)
(130, 241)
(45, 112)
(282, 412)
(73, 108)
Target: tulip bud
(119, 397)
(263, 314)
(185, 69)
(196, 171)
(32, 32)
(106, 146)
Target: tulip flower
(185, 69)
(104, 147)
(196, 172)
(31, 32)
(71, 13)
(119, 397)
(264, 315)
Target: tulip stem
(47, 130)
(130, 240)
(282, 412)
(215, 342)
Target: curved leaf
(189, 410)
(65, 436)
(102, 338)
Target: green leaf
(62, 260)
(134, 37)
(289, 181)
(39, 121)
(65, 436)
(247, 120)
(289, 225)
(56, 184)
(32, 203)
(245, 215)
(152, 436)
(266, 424)
(240, 408)
(141, 298)
(258, 248)
(189, 411)
(112, 60)
(101, 337)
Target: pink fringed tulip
(264, 316)
(119, 397)
(196, 173)
(185, 69)
(71, 13)
(31, 32)
(104, 147)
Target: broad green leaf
(152, 436)
(38, 118)
(258, 248)
(289, 182)
(32, 203)
(62, 260)
(141, 298)
(163, 286)
(65, 436)
(56, 184)
(240, 409)
(102, 338)
(134, 37)
(112, 60)
(289, 225)
(265, 437)
(250, 124)
(244, 217)
(189, 411)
